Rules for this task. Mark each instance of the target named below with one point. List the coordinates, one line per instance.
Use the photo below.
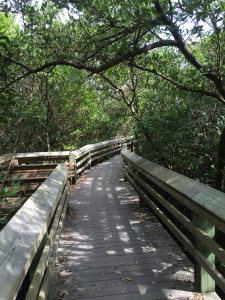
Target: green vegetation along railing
(29, 241)
(190, 210)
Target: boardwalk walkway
(111, 250)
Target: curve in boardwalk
(107, 251)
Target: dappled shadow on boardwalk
(109, 252)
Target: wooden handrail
(34, 168)
(22, 236)
(167, 193)
(57, 155)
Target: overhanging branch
(121, 93)
(179, 85)
(82, 66)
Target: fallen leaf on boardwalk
(61, 259)
(127, 278)
(65, 273)
(63, 293)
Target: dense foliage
(182, 135)
(75, 72)
(60, 110)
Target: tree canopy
(98, 35)
(114, 67)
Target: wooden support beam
(203, 281)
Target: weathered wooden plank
(42, 154)
(39, 273)
(42, 157)
(27, 177)
(34, 167)
(23, 234)
(19, 240)
(107, 153)
(100, 152)
(82, 151)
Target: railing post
(132, 146)
(142, 202)
(108, 148)
(90, 159)
(37, 257)
(124, 174)
(72, 158)
(203, 281)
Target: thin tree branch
(121, 92)
(134, 80)
(179, 85)
(178, 37)
(218, 50)
(182, 46)
(136, 38)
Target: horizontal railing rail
(88, 155)
(192, 212)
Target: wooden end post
(203, 281)
(142, 202)
(72, 159)
(125, 177)
(37, 256)
(124, 173)
(89, 159)
(132, 146)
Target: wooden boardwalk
(111, 250)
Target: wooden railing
(89, 155)
(33, 168)
(29, 241)
(190, 210)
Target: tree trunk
(48, 141)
